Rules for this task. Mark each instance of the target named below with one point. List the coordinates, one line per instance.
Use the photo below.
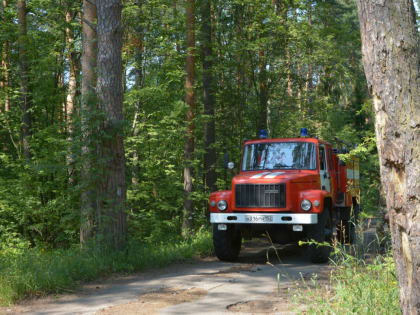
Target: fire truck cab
(291, 189)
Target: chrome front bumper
(264, 218)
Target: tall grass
(356, 289)
(34, 272)
(363, 281)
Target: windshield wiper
(281, 165)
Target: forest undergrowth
(34, 272)
(362, 281)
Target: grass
(356, 289)
(35, 272)
(363, 281)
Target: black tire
(227, 244)
(320, 233)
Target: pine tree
(392, 64)
(110, 216)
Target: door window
(322, 161)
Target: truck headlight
(306, 205)
(222, 205)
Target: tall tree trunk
(4, 84)
(242, 65)
(282, 8)
(309, 75)
(391, 57)
(71, 58)
(87, 112)
(187, 224)
(24, 89)
(138, 71)
(111, 216)
(208, 96)
(263, 94)
(71, 91)
(289, 75)
(60, 114)
(175, 17)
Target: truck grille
(260, 195)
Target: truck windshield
(279, 155)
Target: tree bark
(138, 70)
(263, 94)
(87, 110)
(4, 84)
(187, 224)
(71, 91)
(110, 215)
(24, 89)
(391, 57)
(208, 96)
(289, 75)
(71, 58)
(309, 75)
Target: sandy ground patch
(150, 303)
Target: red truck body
(283, 188)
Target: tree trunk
(5, 67)
(263, 94)
(71, 91)
(391, 57)
(71, 57)
(110, 215)
(24, 89)
(289, 75)
(208, 96)
(282, 9)
(175, 17)
(309, 75)
(4, 83)
(187, 224)
(87, 112)
(138, 70)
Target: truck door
(323, 169)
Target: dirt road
(205, 286)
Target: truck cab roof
(273, 140)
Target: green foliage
(28, 271)
(356, 287)
(299, 65)
(369, 171)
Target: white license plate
(259, 218)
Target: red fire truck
(291, 188)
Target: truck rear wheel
(320, 233)
(227, 243)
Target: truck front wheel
(227, 243)
(320, 233)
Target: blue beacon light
(303, 132)
(263, 134)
